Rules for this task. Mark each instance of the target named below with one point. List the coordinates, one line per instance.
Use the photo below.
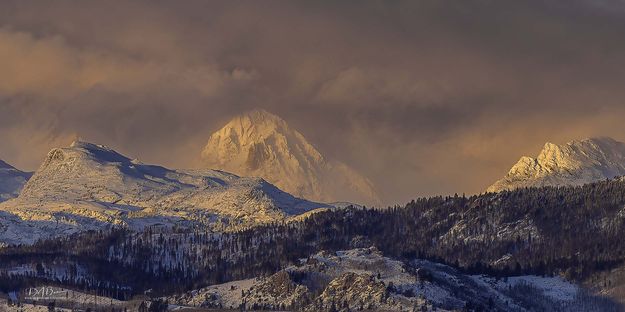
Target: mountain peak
(86, 145)
(260, 115)
(81, 151)
(259, 143)
(574, 163)
(88, 183)
(255, 125)
(600, 139)
(92, 148)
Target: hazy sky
(423, 97)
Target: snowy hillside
(574, 163)
(364, 279)
(11, 181)
(261, 144)
(89, 186)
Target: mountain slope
(574, 163)
(261, 144)
(364, 279)
(89, 186)
(11, 181)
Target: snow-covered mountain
(573, 163)
(11, 181)
(88, 186)
(258, 143)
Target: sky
(423, 97)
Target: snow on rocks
(574, 163)
(88, 186)
(260, 144)
(364, 279)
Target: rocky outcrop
(351, 292)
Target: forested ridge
(575, 231)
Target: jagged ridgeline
(574, 231)
(90, 187)
(574, 163)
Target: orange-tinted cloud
(424, 97)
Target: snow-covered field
(556, 288)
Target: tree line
(574, 231)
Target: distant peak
(260, 116)
(259, 112)
(257, 123)
(592, 142)
(600, 140)
(97, 151)
(551, 147)
(259, 143)
(84, 144)
(574, 163)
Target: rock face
(363, 279)
(261, 144)
(88, 186)
(278, 288)
(574, 163)
(11, 181)
(351, 292)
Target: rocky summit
(258, 143)
(573, 163)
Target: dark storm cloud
(422, 96)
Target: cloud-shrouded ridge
(426, 97)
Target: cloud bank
(423, 97)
